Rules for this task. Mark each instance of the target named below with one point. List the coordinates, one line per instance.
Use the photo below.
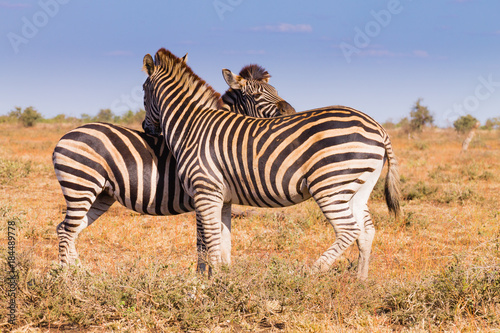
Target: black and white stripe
(333, 154)
(97, 164)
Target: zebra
(97, 164)
(334, 154)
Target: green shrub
(465, 123)
(10, 170)
(419, 190)
(487, 175)
(104, 115)
(492, 123)
(412, 219)
(441, 173)
(421, 145)
(28, 117)
(457, 193)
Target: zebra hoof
(70, 263)
(319, 267)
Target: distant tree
(140, 115)
(104, 115)
(28, 117)
(389, 124)
(419, 117)
(59, 118)
(464, 124)
(86, 118)
(403, 122)
(16, 113)
(492, 123)
(132, 118)
(128, 117)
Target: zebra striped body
(333, 154)
(129, 166)
(97, 164)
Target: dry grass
(437, 268)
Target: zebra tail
(392, 183)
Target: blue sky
(74, 57)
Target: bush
(492, 123)
(419, 190)
(28, 117)
(456, 193)
(130, 117)
(104, 115)
(107, 116)
(11, 170)
(465, 123)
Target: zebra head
(251, 94)
(151, 124)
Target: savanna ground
(435, 269)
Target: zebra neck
(183, 99)
(181, 116)
(234, 101)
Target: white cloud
(380, 53)
(284, 27)
(420, 54)
(377, 51)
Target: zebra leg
(347, 229)
(225, 240)
(78, 217)
(209, 230)
(365, 241)
(226, 234)
(201, 246)
(362, 215)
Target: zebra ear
(265, 78)
(148, 65)
(185, 58)
(234, 81)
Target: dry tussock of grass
(436, 268)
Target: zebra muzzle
(285, 108)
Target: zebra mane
(254, 72)
(170, 62)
